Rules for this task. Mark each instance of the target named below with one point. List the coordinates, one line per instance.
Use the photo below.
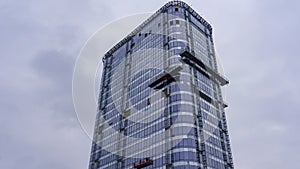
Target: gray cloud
(256, 41)
(259, 55)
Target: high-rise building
(160, 103)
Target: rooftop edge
(162, 9)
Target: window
(132, 45)
(148, 101)
(177, 22)
(171, 22)
(158, 25)
(176, 9)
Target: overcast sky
(257, 42)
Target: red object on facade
(143, 163)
